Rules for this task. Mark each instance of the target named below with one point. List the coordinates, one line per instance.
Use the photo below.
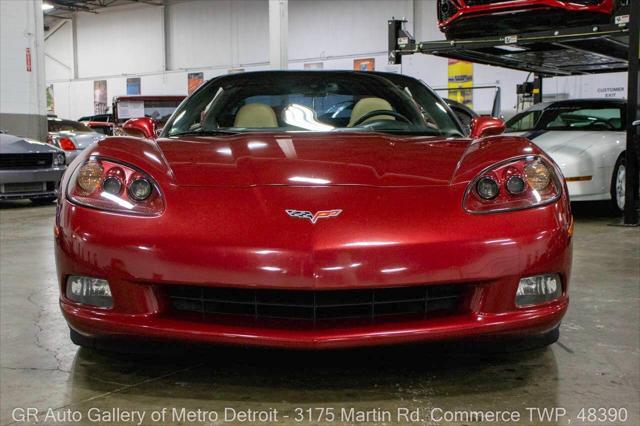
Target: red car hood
(313, 159)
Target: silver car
(29, 169)
(71, 136)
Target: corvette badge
(321, 214)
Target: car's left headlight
(59, 159)
(105, 184)
(514, 184)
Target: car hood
(566, 141)
(313, 160)
(10, 144)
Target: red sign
(28, 59)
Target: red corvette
(266, 215)
(477, 18)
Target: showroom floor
(595, 361)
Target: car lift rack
(580, 50)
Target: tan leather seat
(256, 116)
(365, 106)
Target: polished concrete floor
(596, 363)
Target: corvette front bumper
(142, 258)
(521, 323)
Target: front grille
(416, 301)
(25, 161)
(23, 187)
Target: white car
(587, 138)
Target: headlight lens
(487, 188)
(140, 189)
(89, 176)
(538, 175)
(513, 185)
(59, 159)
(107, 185)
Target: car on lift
(71, 136)
(251, 220)
(586, 138)
(157, 107)
(478, 18)
(29, 169)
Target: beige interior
(366, 105)
(256, 116)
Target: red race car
(263, 215)
(477, 18)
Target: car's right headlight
(59, 159)
(108, 185)
(514, 184)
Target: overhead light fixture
(47, 6)
(512, 48)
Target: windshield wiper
(202, 133)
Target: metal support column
(633, 115)
(278, 33)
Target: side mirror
(143, 127)
(486, 126)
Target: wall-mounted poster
(366, 64)
(461, 76)
(50, 103)
(133, 86)
(194, 80)
(100, 97)
(314, 66)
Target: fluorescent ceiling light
(47, 6)
(512, 48)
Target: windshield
(570, 117)
(304, 102)
(57, 125)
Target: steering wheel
(603, 123)
(380, 112)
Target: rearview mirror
(143, 127)
(486, 126)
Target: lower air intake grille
(27, 187)
(419, 301)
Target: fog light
(89, 291)
(538, 289)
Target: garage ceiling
(64, 9)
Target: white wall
(19, 88)
(213, 36)
(22, 92)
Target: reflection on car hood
(10, 144)
(313, 159)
